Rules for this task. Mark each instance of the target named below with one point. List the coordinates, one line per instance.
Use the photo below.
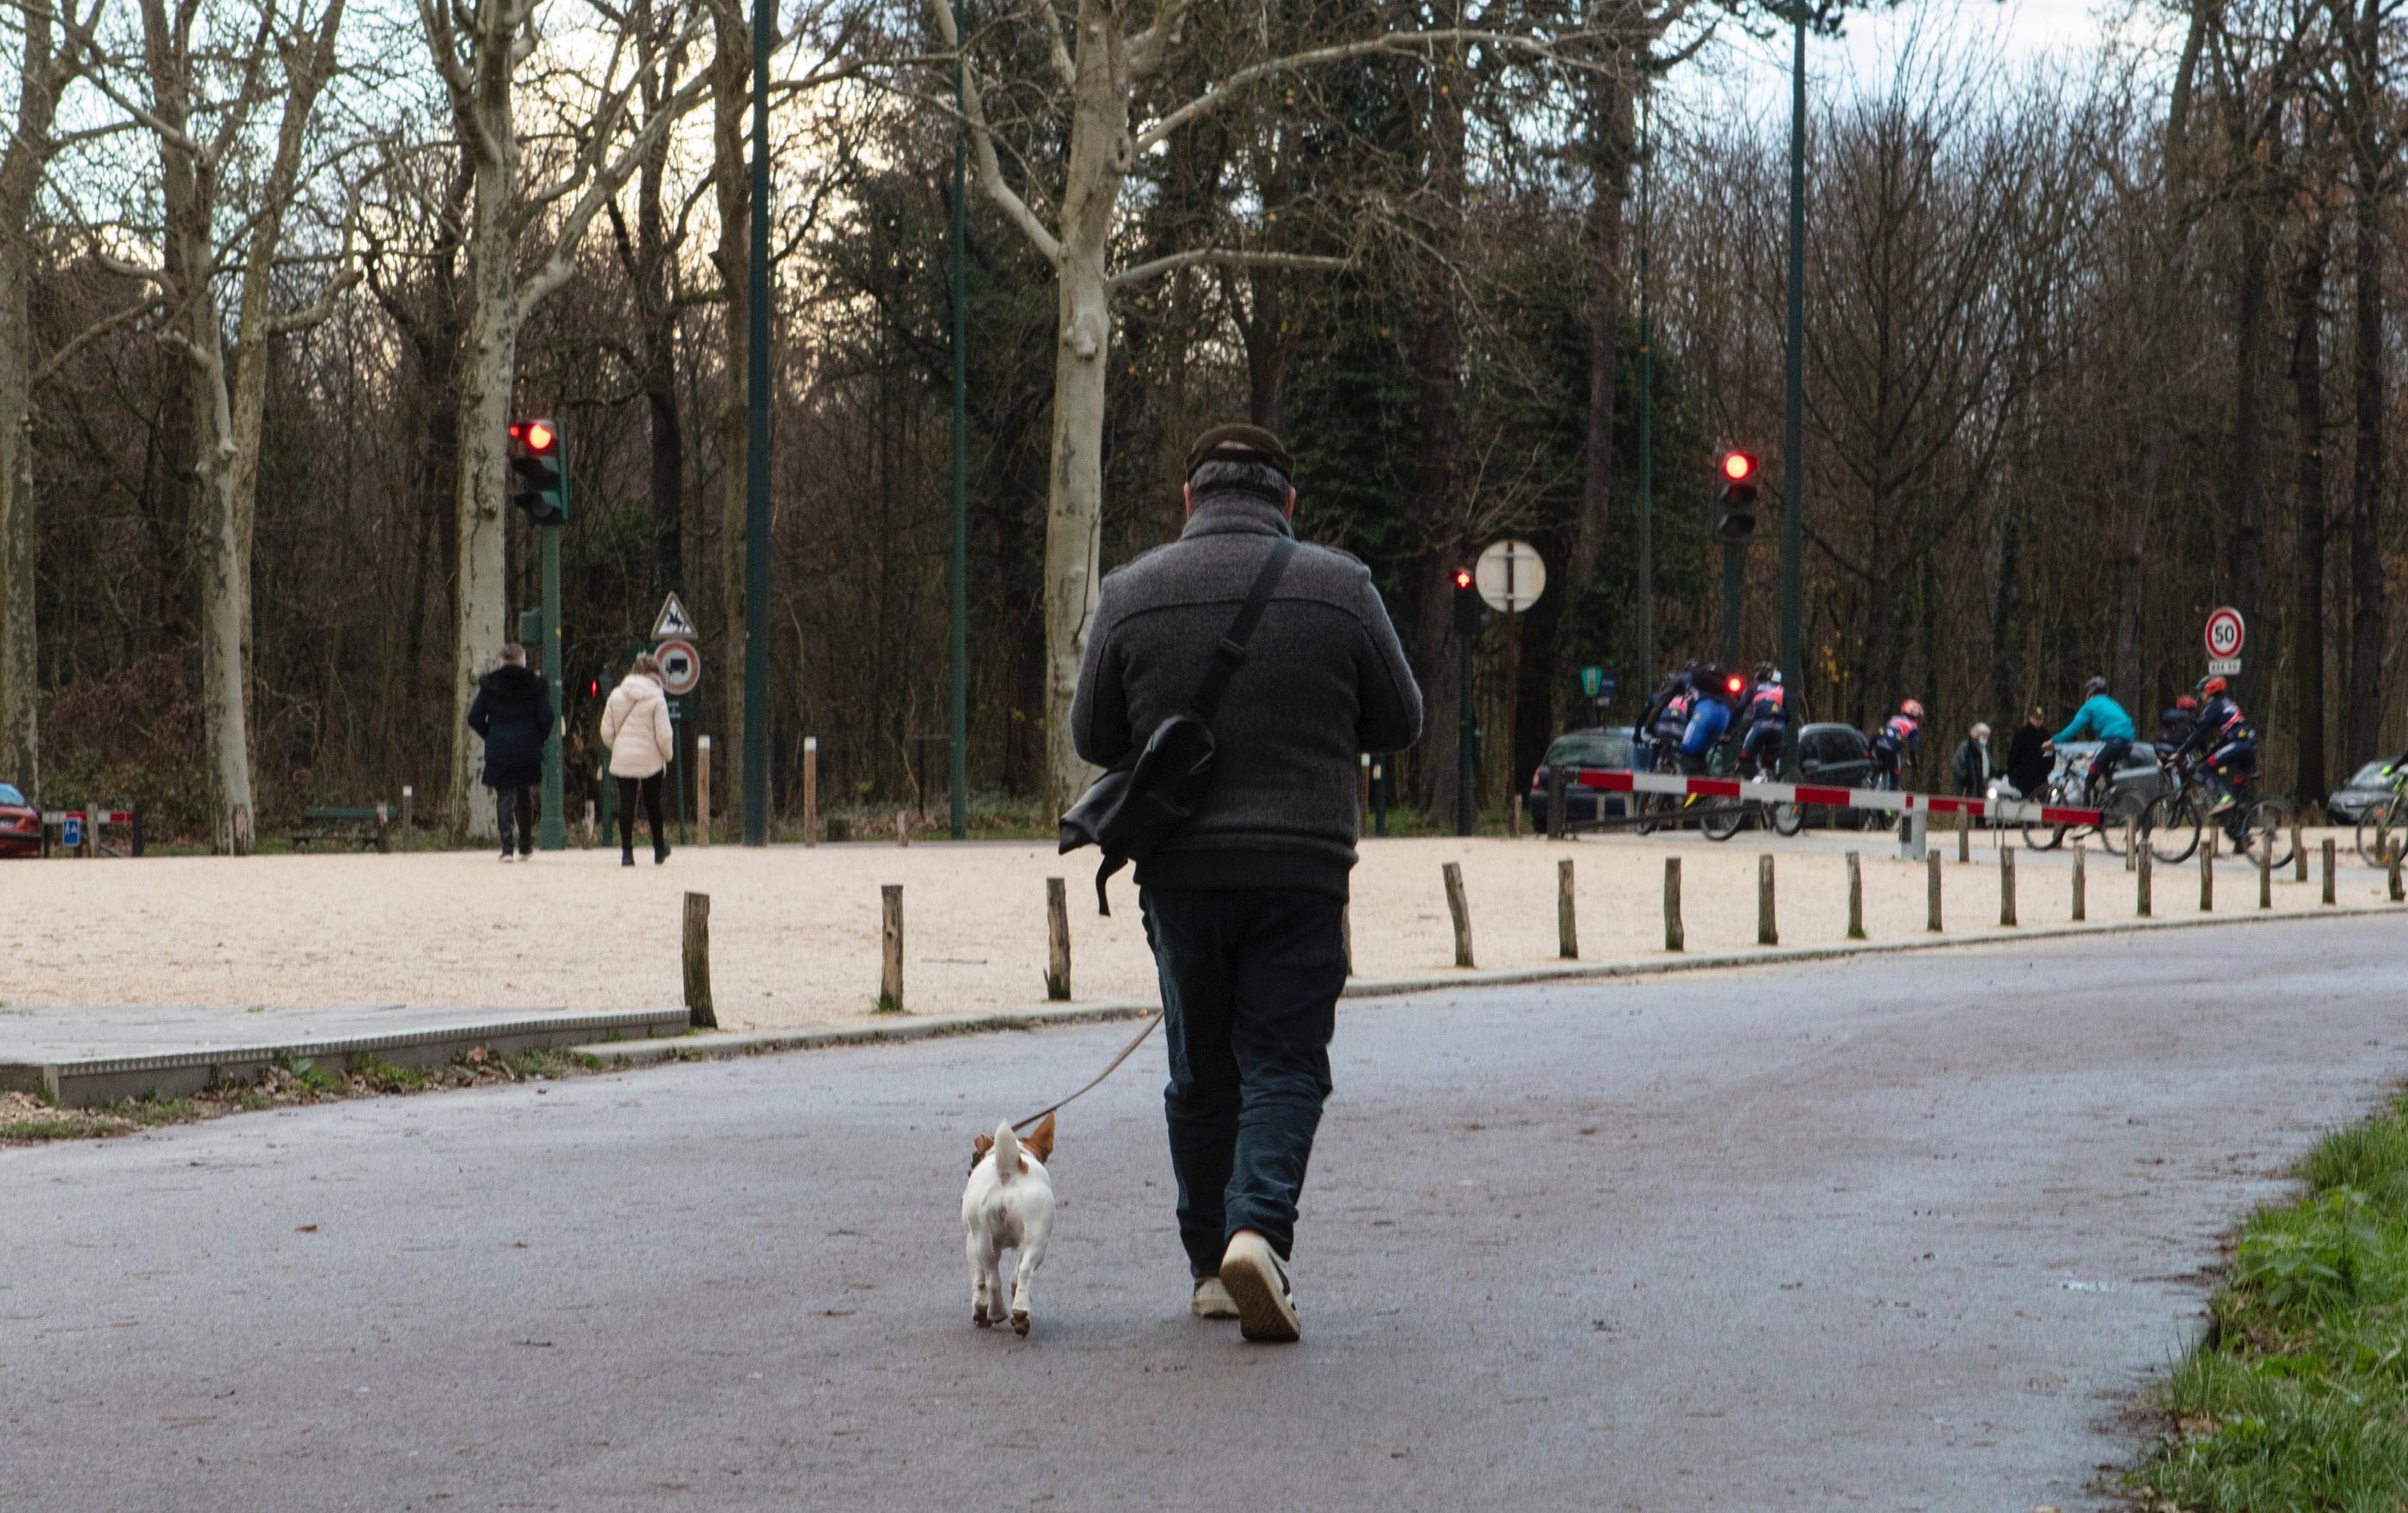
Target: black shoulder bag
(1132, 810)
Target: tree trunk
(20, 751)
(2244, 493)
(2314, 524)
(488, 361)
(1610, 132)
(1441, 505)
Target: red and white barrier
(2003, 810)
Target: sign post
(1510, 575)
(673, 643)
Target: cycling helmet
(1912, 709)
(2186, 701)
(2213, 686)
(1766, 672)
(2095, 686)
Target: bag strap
(1231, 652)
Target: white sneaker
(1257, 1283)
(507, 856)
(1213, 1300)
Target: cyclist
(1897, 743)
(1710, 715)
(1767, 721)
(1666, 718)
(2176, 724)
(2104, 719)
(2232, 746)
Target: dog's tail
(1006, 1154)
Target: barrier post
(2080, 885)
(1058, 941)
(2142, 859)
(2006, 887)
(700, 1012)
(2328, 869)
(890, 977)
(1460, 909)
(1765, 934)
(811, 790)
(2207, 874)
(1567, 922)
(1675, 938)
(1855, 897)
(1912, 831)
(1932, 888)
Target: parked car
(2137, 773)
(1598, 749)
(21, 825)
(2366, 789)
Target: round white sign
(1510, 576)
(2225, 632)
(680, 665)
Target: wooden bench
(369, 825)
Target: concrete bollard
(1567, 922)
(2328, 869)
(2080, 885)
(1058, 941)
(2006, 887)
(1675, 938)
(1460, 909)
(698, 1009)
(2142, 859)
(890, 977)
(1855, 897)
(2207, 874)
(1933, 866)
(1765, 934)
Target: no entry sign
(2225, 633)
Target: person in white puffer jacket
(635, 726)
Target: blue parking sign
(71, 832)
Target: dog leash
(1127, 1051)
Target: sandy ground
(795, 931)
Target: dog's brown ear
(1041, 1139)
(980, 1146)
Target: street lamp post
(1793, 440)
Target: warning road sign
(674, 621)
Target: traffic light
(1735, 502)
(1469, 613)
(541, 465)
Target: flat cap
(1239, 444)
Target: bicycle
(1781, 815)
(2119, 809)
(2177, 817)
(2383, 825)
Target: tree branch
(1233, 257)
(990, 170)
(57, 359)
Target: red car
(21, 825)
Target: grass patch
(2298, 1399)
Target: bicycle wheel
(1788, 819)
(2266, 830)
(1722, 821)
(2381, 824)
(2173, 822)
(2123, 810)
(1643, 810)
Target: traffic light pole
(1466, 755)
(1733, 582)
(1793, 440)
(554, 831)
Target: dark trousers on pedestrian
(521, 802)
(651, 789)
(1250, 985)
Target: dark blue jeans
(1250, 983)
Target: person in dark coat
(2028, 763)
(513, 713)
(1971, 765)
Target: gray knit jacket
(1324, 681)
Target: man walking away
(513, 712)
(1243, 903)
(1971, 766)
(2028, 763)
(635, 726)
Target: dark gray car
(1602, 749)
(2365, 790)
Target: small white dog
(1009, 1205)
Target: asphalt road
(1898, 1233)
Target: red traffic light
(1463, 577)
(1738, 466)
(540, 437)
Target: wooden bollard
(409, 799)
(1855, 897)
(2266, 872)
(2131, 845)
(2328, 869)
(1566, 920)
(2398, 845)
(2080, 885)
(1765, 934)
(811, 790)
(890, 977)
(589, 825)
(1513, 813)
(902, 826)
(2142, 859)
(1363, 794)
(2207, 874)
(2006, 887)
(1460, 908)
(1932, 890)
(1964, 839)
(702, 790)
(1058, 941)
(700, 1012)
(1675, 938)
(2299, 853)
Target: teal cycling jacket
(2102, 718)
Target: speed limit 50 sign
(2225, 633)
